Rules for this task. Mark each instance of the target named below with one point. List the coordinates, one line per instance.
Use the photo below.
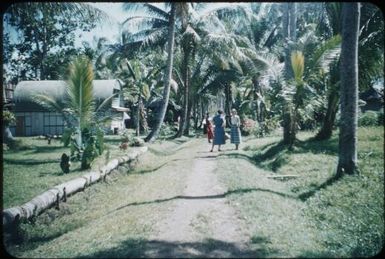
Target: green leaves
(297, 64)
(80, 90)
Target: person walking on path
(235, 132)
(208, 128)
(219, 131)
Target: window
(53, 123)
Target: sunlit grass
(345, 219)
(35, 167)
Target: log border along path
(53, 196)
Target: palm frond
(148, 8)
(325, 55)
(106, 102)
(48, 103)
(137, 23)
(80, 89)
(297, 64)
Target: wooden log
(283, 176)
(50, 198)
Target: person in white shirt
(235, 131)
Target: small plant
(247, 126)
(65, 163)
(92, 144)
(8, 118)
(136, 142)
(368, 118)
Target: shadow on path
(215, 196)
(175, 249)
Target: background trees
(224, 56)
(46, 36)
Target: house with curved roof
(33, 119)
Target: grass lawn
(346, 218)
(34, 168)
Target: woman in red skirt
(209, 128)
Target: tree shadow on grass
(48, 149)
(329, 147)
(306, 195)
(275, 155)
(178, 249)
(30, 161)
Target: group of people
(216, 132)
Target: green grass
(103, 220)
(34, 167)
(343, 219)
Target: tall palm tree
(166, 91)
(347, 158)
(289, 28)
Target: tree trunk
(143, 119)
(228, 103)
(7, 135)
(166, 92)
(59, 192)
(289, 32)
(138, 116)
(183, 119)
(347, 158)
(187, 129)
(327, 126)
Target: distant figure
(219, 131)
(208, 128)
(235, 131)
(65, 163)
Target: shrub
(247, 126)
(8, 118)
(381, 117)
(368, 118)
(136, 142)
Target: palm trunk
(186, 131)
(183, 121)
(228, 103)
(327, 126)
(138, 117)
(59, 192)
(166, 92)
(289, 32)
(347, 159)
(143, 119)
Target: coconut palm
(78, 106)
(347, 158)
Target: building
(373, 98)
(33, 119)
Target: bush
(381, 117)
(368, 118)
(8, 118)
(136, 142)
(247, 127)
(167, 130)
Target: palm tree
(166, 92)
(347, 158)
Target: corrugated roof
(25, 90)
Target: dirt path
(201, 222)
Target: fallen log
(49, 198)
(282, 176)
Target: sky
(108, 30)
